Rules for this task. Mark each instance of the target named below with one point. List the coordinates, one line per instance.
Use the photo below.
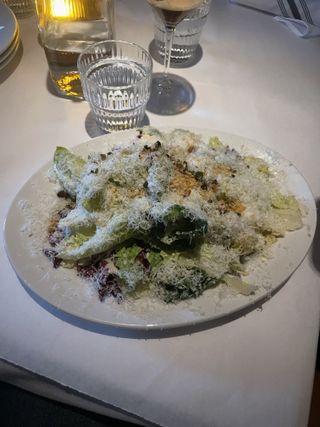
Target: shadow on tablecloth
(93, 129)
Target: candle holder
(66, 28)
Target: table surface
(254, 79)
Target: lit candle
(66, 27)
(62, 8)
(70, 10)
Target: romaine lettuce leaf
(178, 228)
(130, 270)
(68, 168)
(177, 279)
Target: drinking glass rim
(124, 42)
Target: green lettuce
(68, 168)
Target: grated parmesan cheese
(131, 194)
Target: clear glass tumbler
(116, 78)
(186, 36)
(67, 27)
(21, 8)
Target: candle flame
(70, 9)
(61, 9)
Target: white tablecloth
(255, 79)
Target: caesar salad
(166, 214)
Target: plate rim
(10, 51)
(12, 16)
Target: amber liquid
(66, 28)
(63, 70)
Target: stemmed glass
(171, 94)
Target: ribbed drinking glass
(116, 79)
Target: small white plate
(26, 236)
(10, 57)
(8, 54)
(8, 27)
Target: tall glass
(171, 94)
(185, 47)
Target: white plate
(12, 54)
(9, 54)
(8, 27)
(25, 236)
